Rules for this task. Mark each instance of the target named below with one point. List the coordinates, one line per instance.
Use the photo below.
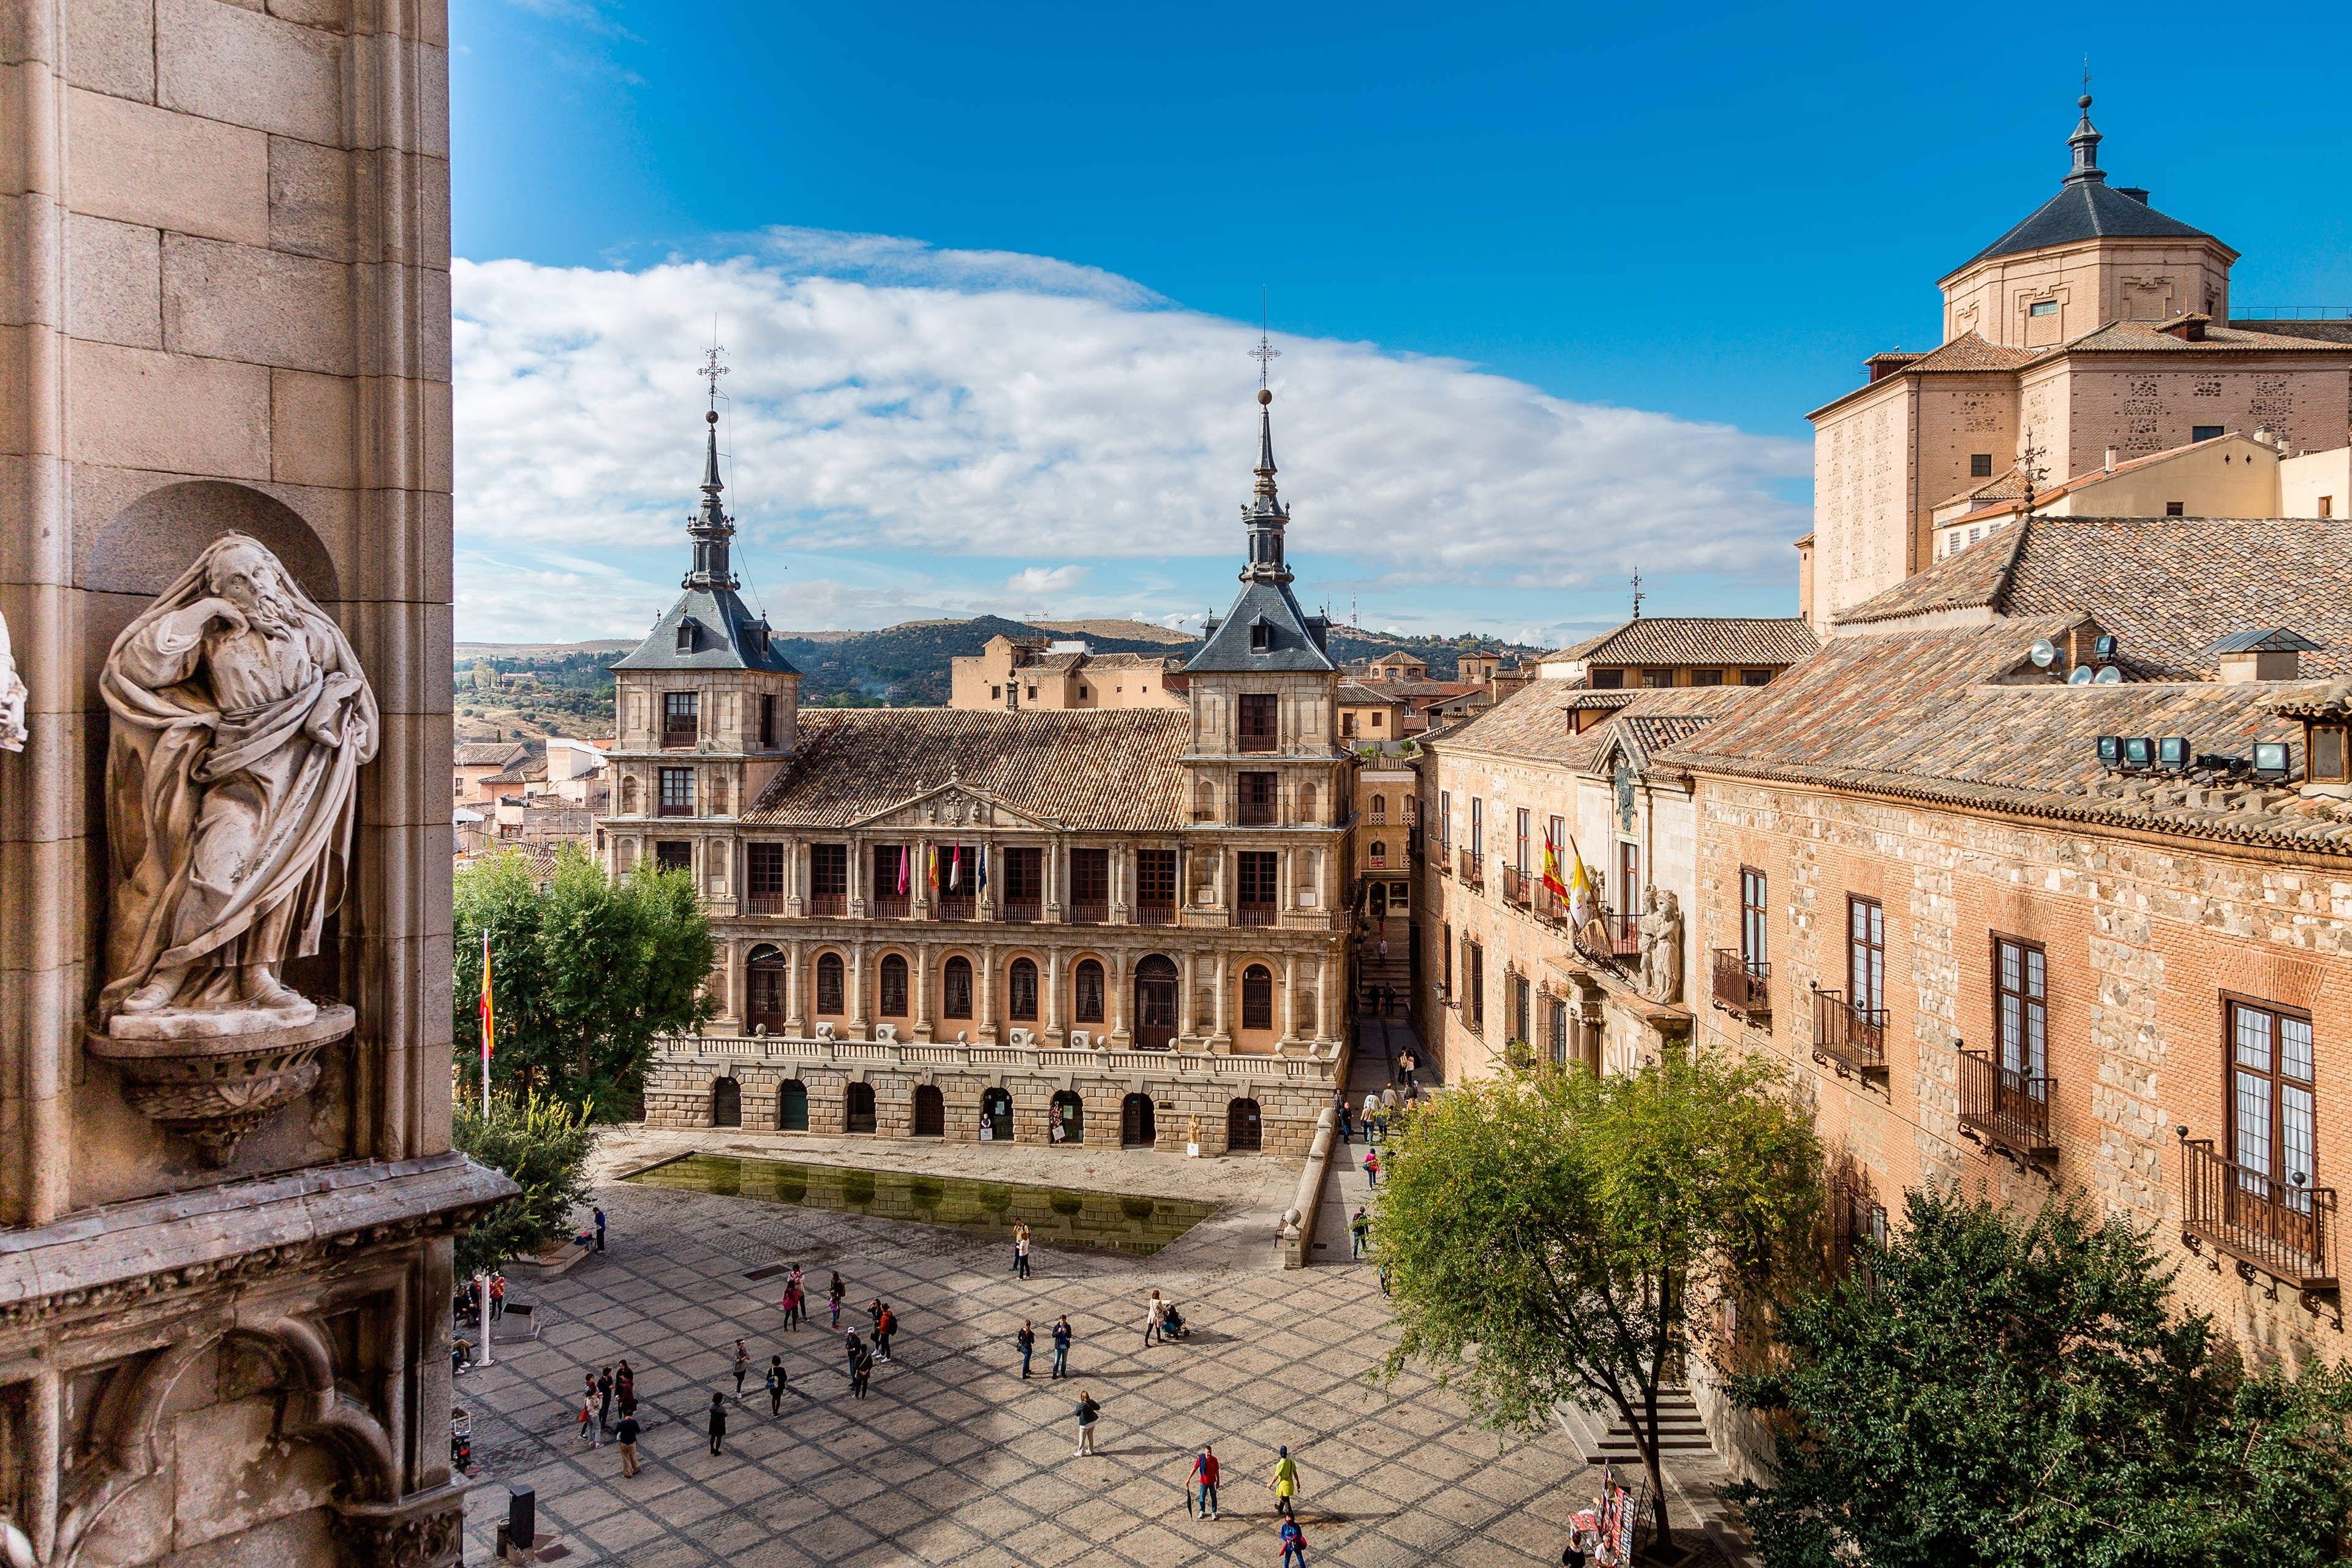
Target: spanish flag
(1552, 882)
(488, 1030)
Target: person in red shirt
(1204, 1477)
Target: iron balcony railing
(2285, 1229)
(1253, 914)
(892, 905)
(1473, 872)
(1517, 886)
(1742, 985)
(1091, 913)
(1620, 936)
(680, 734)
(1155, 914)
(1020, 911)
(2007, 1111)
(765, 903)
(1547, 904)
(1850, 1038)
(951, 906)
(828, 903)
(1255, 814)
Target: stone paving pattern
(953, 1460)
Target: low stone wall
(1290, 1092)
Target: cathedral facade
(1051, 926)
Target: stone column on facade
(924, 958)
(919, 881)
(857, 890)
(984, 1022)
(797, 877)
(1122, 874)
(1221, 1037)
(857, 978)
(1115, 980)
(1326, 1025)
(1289, 998)
(1054, 995)
(795, 1026)
(1050, 859)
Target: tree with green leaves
(2006, 1390)
(586, 971)
(1549, 1236)
(544, 1146)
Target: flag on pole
(1552, 882)
(932, 867)
(488, 1027)
(905, 855)
(955, 868)
(980, 869)
(1581, 901)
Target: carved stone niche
(426, 1530)
(240, 718)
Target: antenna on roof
(1638, 595)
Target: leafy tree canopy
(544, 1146)
(586, 972)
(2013, 1390)
(1548, 1235)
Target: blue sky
(1555, 286)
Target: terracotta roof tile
(2145, 336)
(490, 753)
(1117, 770)
(1699, 639)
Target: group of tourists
(602, 1390)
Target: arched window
(829, 986)
(763, 1006)
(1087, 1003)
(894, 986)
(1380, 808)
(1155, 1003)
(1021, 992)
(1308, 801)
(955, 995)
(1257, 997)
(1379, 853)
(628, 797)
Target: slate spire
(710, 528)
(2085, 144)
(1264, 516)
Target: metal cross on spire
(711, 370)
(1266, 354)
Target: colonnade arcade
(1250, 1000)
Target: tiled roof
(1116, 770)
(1293, 639)
(1699, 639)
(1972, 351)
(725, 636)
(2332, 332)
(2146, 336)
(2166, 587)
(1531, 723)
(1925, 716)
(2085, 209)
(1377, 693)
(1588, 699)
(490, 753)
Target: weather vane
(1266, 354)
(1638, 595)
(711, 370)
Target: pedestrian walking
(1372, 1118)
(1294, 1545)
(853, 1347)
(1021, 1252)
(718, 1421)
(1384, 947)
(833, 1294)
(886, 1323)
(1088, 1414)
(1372, 1168)
(1384, 1276)
(599, 1230)
(1285, 1483)
(861, 1374)
(1409, 1063)
(1205, 1480)
(588, 1416)
(1027, 1340)
(792, 1305)
(1360, 1229)
(628, 1434)
(1020, 1234)
(1347, 1122)
(498, 1296)
(604, 1402)
(1155, 1318)
(624, 1386)
(1061, 1347)
(775, 1386)
(742, 1366)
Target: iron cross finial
(1266, 354)
(711, 370)
(1638, 595)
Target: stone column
(1289, 998)
(1050, 873)
(856, 979)
(1219, 1037)
(796, 1025)
(924, 1027)
(1326, 1024)
(1116, 981)
(1053, 979)
(797, 877)
(919, 881)
(985, 1030)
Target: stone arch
(956, 993)
(931, 1111)
(766, 973)
(1156, 1000)
(832, 985)
(857, 1108)
(1088, 991)
(1021, 1003)
(891, 977)
(1257, 997)
(1245, 1127)
(1380, 808)
(1308, 803)
(1067, 1117)
(142, 549)
(629, 795)
(726, 1102)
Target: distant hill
(543, 689)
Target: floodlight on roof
(2111, 751)
(2081, 676)
(2272, 759)
(2172, 753)
(2109, 675)
(2043, 653)
(2220, 763)
(2139, 753)
(2104, 649)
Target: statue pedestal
(184, 1074)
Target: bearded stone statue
(241, 719)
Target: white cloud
(920, 412)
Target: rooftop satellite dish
(2110, 675)
(2044, 653)
(2081, 676)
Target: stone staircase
(1602, 1436)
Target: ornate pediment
(952, 805)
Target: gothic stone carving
(241, 718)
(417, 1533)
(12, 695)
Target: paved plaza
(954, 1458)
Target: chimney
(2111, 460)
(2136, 192)
(2261, 664)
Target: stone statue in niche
(1662, 947)
(12, 695)
(241, 719)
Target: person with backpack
(1372, 1168)
(1027, 1340)
(1061, 1347)
(1088, 1414)
(1294, 1545)
(886, 1323)
(1205, 1480)
(1361, 1230)
(861, 1374)
(775, 1386)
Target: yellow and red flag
(1552, 882)
(487, 1029)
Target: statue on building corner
(1662, 947)
(12, 695)
(240, 720)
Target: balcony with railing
(951, 906)
(1253, 914)
(1612, 936)
(1150, 914)
(2284, 1229)
(2006, 1111)
(1444, 859)
(1255, 812)
(1743, 986)
(680, 734)
(1472, 868)
(828, 903)
(892, 905)
(1085, 912)
(764, 904)
(1020, 911)
(1850, 1038)
(1517, 887)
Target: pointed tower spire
(1265, 517)
(710, 528)
(2085, 143)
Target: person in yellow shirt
(1285, 1483)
